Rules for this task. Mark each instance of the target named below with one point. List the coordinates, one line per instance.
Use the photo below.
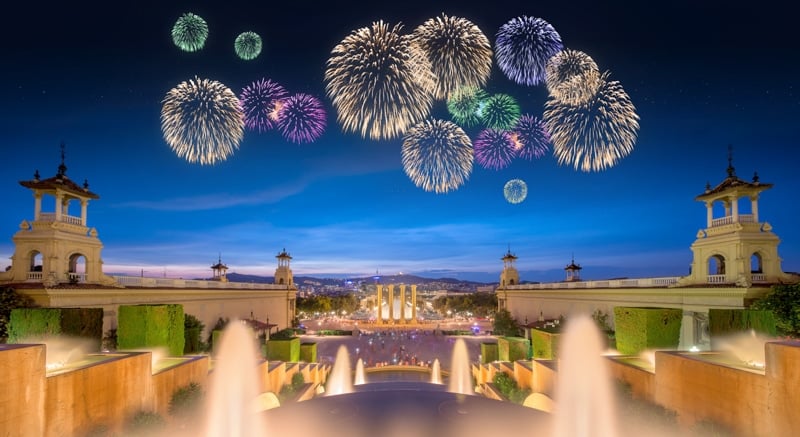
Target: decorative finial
(62, 169)
(86, 185)
(731, 170)
(36, 175)
(708, 186)
(219, 260)
(755, 177)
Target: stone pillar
(754, 207)
(391, 303)
(687, 338)
(84, 205)
(403, 304)
(59, 202)
(413, 304)
(709, 213)
(37, 205)
(379, 290)
(735, 204)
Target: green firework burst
(247, 45)
(190, 32)
(499, 111)
(464, 104)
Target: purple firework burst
(523, 47)
(530, 136)
(302, 118)
(494, 149)
(261, 101)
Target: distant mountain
(384, 279)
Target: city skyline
(342, 204)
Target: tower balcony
(728, 220)
(50, 217)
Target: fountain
(360, 376)
(460, 377)
(340, 380)
(436, 372)
(231, 402)
(749, 348)
(584, 402)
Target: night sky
(701, 77)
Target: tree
(784, 302)
(505, 325)
(9, 300)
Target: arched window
(280, 281)
(77, 268)
(716, 265)
(755, 263)
(36, 261)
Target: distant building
(735, 260)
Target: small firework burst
(523, 47)
(515, 191)
(247, 45)
(459, 52)
(190, 32)
(202, 121)
(499, 111)
(464, 105)
(494, 149)
(380, 82)
(572, 77)
(530, 137)
(597, 134)
(302, 118)
(261, 101)
(437, 155)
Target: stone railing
(35, 276)
(610, 283)
(138, 281)
(759, 277)
(716, 279)
(76, 277)
(51, 217)
(727, 220)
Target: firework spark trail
(380, 82)
(437, 155)
(463, 105)
(190, 32)
(572, 77)
(302, 118)
(597, 134)
(459, 52)
(202, 121)
(494, 149)
(523, 47)
(530, 137)
(261, 102)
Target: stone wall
(192, 369)
(22, 396)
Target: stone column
(379, 290)
(709, 213)
(413, 304)
(754, 207)
(37, 205)
(84, 205)
(391, 303)
(59, 201)
(735, 204)
(403, 304)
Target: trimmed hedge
(646, 328)
(149, 326)
(86, 323)
(545, 344)
(284, 350)
(308, 352)
(333, 332)
(489, 352)
(512, 348)
(730, 321)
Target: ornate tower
(283, 274)
(57, 247)
(573, 271)
(220, 271)
(735, 248)
(509, 275)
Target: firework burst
(202, 121)
(379, 81)
(464, 104)
(302, 118)
(261, 102)
(437, 155)
(595, 135)
(572, 77)
(530, 137)
(247, 45)
(459, 52)
(523, 46)
(190, 32)
(515, 190)
(494, 149)
(499, 111)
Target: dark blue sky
(701, 78)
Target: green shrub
(489, 352)
(512, 348)
(192, 329)
(284, 350)
(186, 400)
(283, 334)
(545, 344)
(784, 302)
(145, 423)
(10, 300)
(646, 328)
(149, 326)
(730, 321)
(308, 352)
(509, 388)
(44, 322)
